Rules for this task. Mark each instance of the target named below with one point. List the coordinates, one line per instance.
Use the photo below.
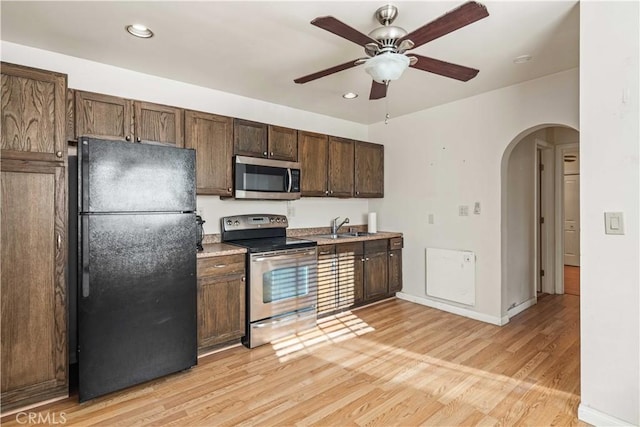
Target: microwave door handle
(290, 180)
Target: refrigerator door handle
(85, 256)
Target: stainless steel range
(282, 273)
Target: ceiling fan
(386, 46)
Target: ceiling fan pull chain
(386, 106)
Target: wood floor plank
(394, 363)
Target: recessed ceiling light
(139, 31)
(522, 59)
(349, 95)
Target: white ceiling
(256, 49)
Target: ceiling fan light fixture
(386, 66)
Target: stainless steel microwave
(256, 178)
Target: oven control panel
(252, 222)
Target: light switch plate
(613, 223)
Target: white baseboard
(460, 311)
(597, 418)
(521, 307)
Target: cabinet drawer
(221, 265)
(395, 243)
(326, 250)
(355, 248)
(373, 246)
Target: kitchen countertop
(377, 236)
(220, 249)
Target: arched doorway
(533, 228)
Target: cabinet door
(369, 169)
(350, 278)
(283, 143)
(340, 175)
(70, 119)
(221, 300)
(395, 271)
(33, 288)
(375, 275)
(212, 138)
(327, 279)
(221, 311)
(250, 138)
(158, 123)
(103, 116)
(313, 155)
(33, 114)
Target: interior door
(572, 220)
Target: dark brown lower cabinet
(327, 279)
(395, 271)
(221, 300)
(350, 273)
(33, 315)
(355, 273)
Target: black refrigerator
(136, 264)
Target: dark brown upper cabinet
(70, 124)
(250, 138)
(313, 155)
(261, 140)
(33, 112)
(158, 123)
(283, 143)
(103, 116)
(341, 167)
(212, 138)
(369, 169)
(110, 117)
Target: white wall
(520, 221)
(609, 151)
(96, 77)
(450, 155)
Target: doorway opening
(540, 216)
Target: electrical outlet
(463, 210)
(291, 210)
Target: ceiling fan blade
(341, 29)
(378, 90)
(443, 68)
(328, 71)
(457, 18)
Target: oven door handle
(281, 256)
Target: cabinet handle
(326, 192)
(244, 278)
(138, 139)
(127, 138)
(357, 193)
(59, 241)
(219, 265)
(331, 191)
(229, 189)
(264, 154)
(362, 260)
(390, 255)
(367, 259)
(272, 154)
(59, 154)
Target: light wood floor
(395, 363)
(572, 280)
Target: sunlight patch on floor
(331, 329)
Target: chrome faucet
(334, 225)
